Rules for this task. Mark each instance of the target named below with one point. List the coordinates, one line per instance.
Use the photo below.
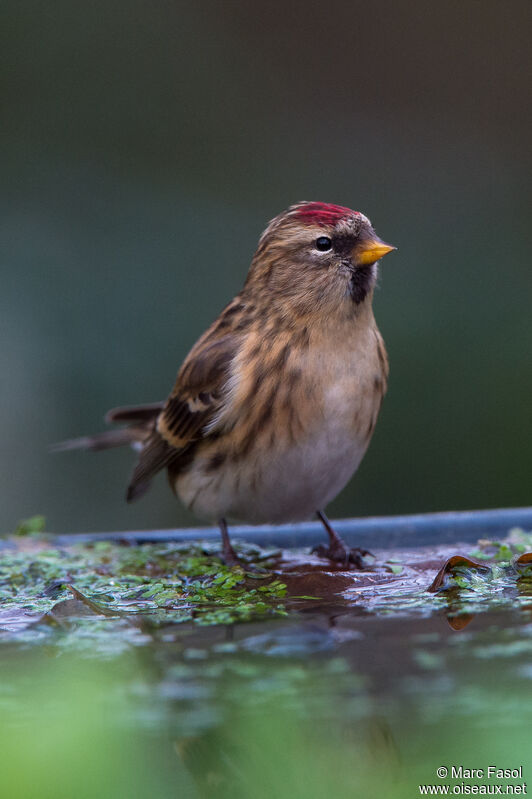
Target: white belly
(296, 483)
(288, 483)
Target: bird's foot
(343, 555)
(231, 559)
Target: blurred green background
(116, 746)
(144, 147)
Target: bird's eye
(323, 243)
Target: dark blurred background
(144, 147)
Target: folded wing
(195, 400)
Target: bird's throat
(361, 283)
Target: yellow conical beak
(367, 251)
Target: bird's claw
(231, 560)
(343, 555)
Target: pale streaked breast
(280, 479)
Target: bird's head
(317, 256)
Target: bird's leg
(229, 555)
(337, 551)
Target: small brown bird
(275, 405)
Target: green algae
(97, 590)
(34, 525)
(166, 582)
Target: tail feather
(134, 413)
(112, 438)
(140, 434)
(141, 419)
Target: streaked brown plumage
(275, 405)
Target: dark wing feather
(193, 403)
(155, 455)
(197, 391)
(134, 413)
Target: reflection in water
(460, 622)
(321, 703)
(374, 712)
(221, 762)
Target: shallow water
(352, 683)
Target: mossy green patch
(34, 525)
(165, 582)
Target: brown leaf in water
(461, 621)
(94, 606)
(523, 567)
(523, 560)
(452, 563)
(67, 609)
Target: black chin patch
(360, 283)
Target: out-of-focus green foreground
(73, 730)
